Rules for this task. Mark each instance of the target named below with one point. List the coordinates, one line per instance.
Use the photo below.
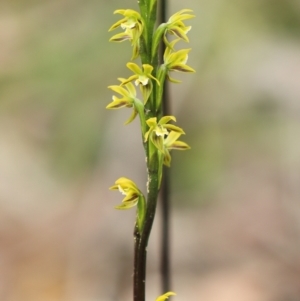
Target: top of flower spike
(133, 25)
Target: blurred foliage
(61, 61)
(280, 15)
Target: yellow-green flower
(131, 192)
(142, 78)
(158, 130)
(128, 93)
(165, 296)
(176, 60)
(133, 25)
(175, 25)
(171, 142)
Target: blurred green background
(235, 194)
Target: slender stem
(137, 286)
(141, 239)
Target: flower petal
(172, 137)
(152, 122)
(181, 16)
(129, 79)
(178, 32)
(166, 119)
(158, 142)
(134, 68)
(172, 127)
(131, 197)
(125, 206)
(121, 37)
(131, 89)
(146, 91)
(114, 187)
(173, 80)
(147, 135)
(120, 90)
(120, 11)
(117, 24)
(135, 50)
(117, 104)
(179, 145)
(167, 158)
(182, 68)
(147, 69)
(179, 56)
(125, 182)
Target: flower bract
(158, 130)
(142, 78)
(132, 24)
(130, 190)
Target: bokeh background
(235, 194)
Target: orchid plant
(159, 136)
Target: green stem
(143, 8)
(138, 285)
(141, 239)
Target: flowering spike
(160, 136)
